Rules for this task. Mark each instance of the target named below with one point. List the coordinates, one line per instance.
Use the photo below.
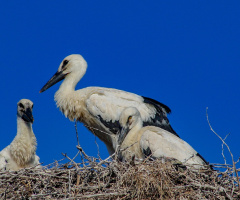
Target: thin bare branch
(223, 141)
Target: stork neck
(71, 80)
(24, 128)
(137, 126)
(67, 85)
(23, 147)
(133, 133)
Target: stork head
(24, 110)
(72, 67)
(129, 118)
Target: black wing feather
(114, 127)
(160, 115)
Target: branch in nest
(223, 142)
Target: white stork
(21, 153)
(136, 141)
(99, 108)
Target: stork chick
(141, 142)
(21, 153)
(99, 108)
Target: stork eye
(129, 118)
(21, 105)
(65, 62)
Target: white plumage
(150, 141)
(21, 153)
(99, 107)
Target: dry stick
(42, 195)
(69, 182)
(92, 128)
(225, 161)
(54, 163)
(78, 142)
(76, 132)
(237, 160)
(85, 155)
(76, 155)
(97, 195)
(97, 146)
(121, 150)
(234, 166)
(65, 155)
(106, 160)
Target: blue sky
(183, 54)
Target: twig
(75, 164)
(98, 195)
(97, 146)
(78, 142)
(42, 195)
(85, 155)
(69, 182)
(92, 128)
(233, 162)
(118, 150)
(76, 132)
(225, 161)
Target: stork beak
(58, 76)
(27, 115)
(123, 133)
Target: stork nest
(94, 178)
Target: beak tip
(42, 90)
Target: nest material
(104, 179)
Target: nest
(94, 178)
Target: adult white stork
(21, 153)
(140, 142)
(99, 108)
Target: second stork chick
(136, 141)
(21, 153)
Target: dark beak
(58, 76)
(123, 133)
(27, 115)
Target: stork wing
(107, 104)
(159, 143)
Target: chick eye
(129, 118)
(21, 105)
(65, 62)
(32, 106)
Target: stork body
(21, 153)
(150, 141)
(99, 108)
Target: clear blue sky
(183, 54)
